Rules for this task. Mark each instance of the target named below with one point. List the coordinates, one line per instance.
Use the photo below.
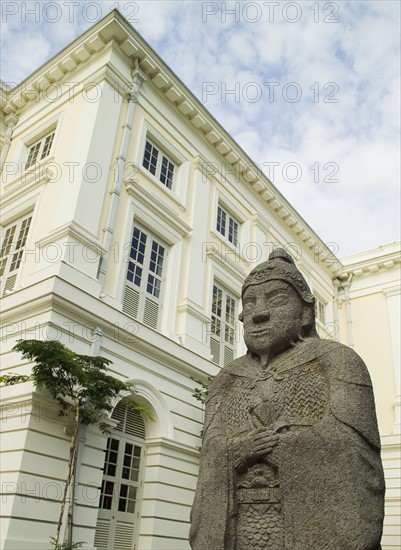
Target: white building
(131, 219)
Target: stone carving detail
(291, 453)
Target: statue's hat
(279, 267)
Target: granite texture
(290, 457)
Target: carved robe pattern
(323, 410)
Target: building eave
(383, 258)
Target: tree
(83, 390)
(201, 394)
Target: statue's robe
(322, 487)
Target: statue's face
(272, 317)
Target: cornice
(225, 266)
(53, 295)
(42, 173)
(392, 291)
(166, 443)
(16, 311)
(260, 221)
(115, 27)
(147, 342)
(377, 264)
(200, 163)
(158, 209)
(112, 76)
(77, 232)
(188, 306)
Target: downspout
(138, 78)
(11, 120)
(336, 285)
(346, 287)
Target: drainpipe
(138, 78)
(336, 284)
(346, 287)
(11, 120)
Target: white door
(120, 499)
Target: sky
(309, 89)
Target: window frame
(218, 339)
(227, 222)
(138, 301)
(41, 153)
(12, 251)
(161, 156)
(320, 311)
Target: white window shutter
(151, 313)
(228, 355)
(131, 301)
(215, 350)
(102, 534)
(10, 283)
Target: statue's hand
(253, 447)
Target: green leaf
(11, 379)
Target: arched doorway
(121, 492)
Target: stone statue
(290, 457)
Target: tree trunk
(70, 474)
(70, 520)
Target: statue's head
(278, 306)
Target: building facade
(131, 219)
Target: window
(145, 275)
(222, 326)
(158, 164)
(120, 494)
(227, 226)
(12, 249)
(320, 311)
(40, 150)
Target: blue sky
(315, 91)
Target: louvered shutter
(151, 313)
(215, 350)
(9, 284)
(102, 534)
(228, 355)
(145, 278)
(129, 421)
(123, 536)
(131, 302)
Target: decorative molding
(378, 263)
(200, 163)
(260, 221)
(173, 445)
(189, 306)
(153, 211)
(112, 76)
(11, 120)
(164, 425)
(392, 291)
(164, 143)
(17, 209)
(229, 272)
(76, 231)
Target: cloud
(17, 64)
(346, 74)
